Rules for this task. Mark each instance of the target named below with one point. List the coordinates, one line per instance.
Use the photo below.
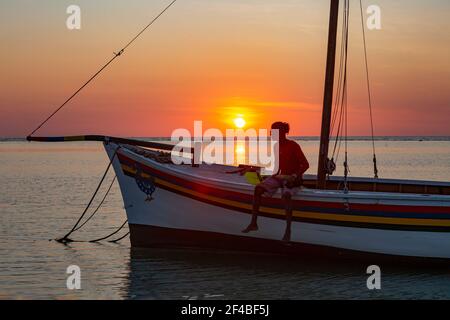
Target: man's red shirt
(291, 159)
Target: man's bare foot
(287, 236)
(251, 227)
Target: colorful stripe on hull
(378, 216)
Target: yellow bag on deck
(253, 178)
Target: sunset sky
(214, 60)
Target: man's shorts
(272, 184)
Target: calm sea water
(45, 187)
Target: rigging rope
(338, 88)
(345, 104)
(341, 92)
(116, 55)
(339, 123)
(375, 169)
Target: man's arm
(303, 163)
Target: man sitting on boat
(289, 178)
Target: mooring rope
(111, 234)
(99, 205)
(75, 227)
(116, 55)
(103, 238)
(117, 240)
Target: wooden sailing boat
(203, 206)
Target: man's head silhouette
(283, 129)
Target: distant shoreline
(300, 138)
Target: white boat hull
(186, 221)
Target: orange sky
(212, 60)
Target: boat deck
(220, 173)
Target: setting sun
(239, 122)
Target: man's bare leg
(253, 226)
(288, 206)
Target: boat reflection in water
(207, 274)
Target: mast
(328, 95)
